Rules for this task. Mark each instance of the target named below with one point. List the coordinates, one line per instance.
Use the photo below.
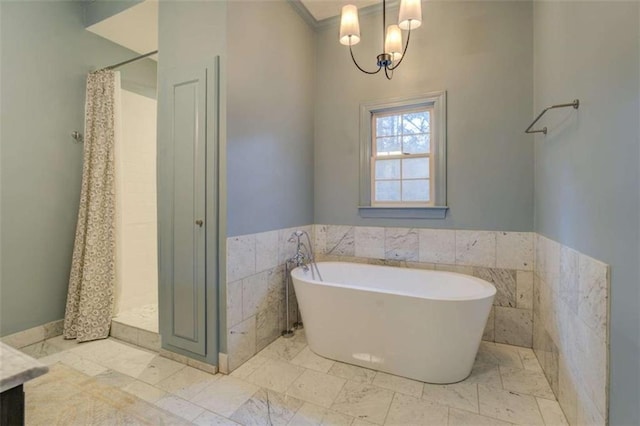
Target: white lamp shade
(393, 42)
(349, 26)
(410, 14)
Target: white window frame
(374, 157)
(436, 207)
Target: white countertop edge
(16, 367)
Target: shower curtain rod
(110, 67)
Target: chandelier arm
(386, 73)
(359, 67)
(404, 51)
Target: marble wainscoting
(571, 330)
(256, 293)
(502, 258)
(34, 335)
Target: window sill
(436, 212)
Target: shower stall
(136, 292)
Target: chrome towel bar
(575, 104)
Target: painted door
(185, 225)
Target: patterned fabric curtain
(91, 283)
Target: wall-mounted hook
(77, 136)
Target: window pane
(388, 190)
(387, 169)
(415, 144)
(388, 146)
(415, 190)
(387, 126)
(414, 168)
(416, 122)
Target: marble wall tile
(592, 366)
(124, 332)
(513, 326)
(568, 285)
(514, 250)
(489, 330)
(524, 290)
(499, 355)
(234, 303)
(594, 294)
(241, 257)
(437, 246)
(552, 265)
(460, 269)
(255, 290)
(53, 329)
(320, 239)
(149, 340)
(538, 254)
(421, 265)
(25, 338)
(266, 250)
(571, 330)
(567, 391)
(369, 242)
(286, 248)
(241, 342)
(340, 240)
(505, 282)
(587, 413)
(401, 244)
(269, 324)
(476, 248)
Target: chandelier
(410, 17)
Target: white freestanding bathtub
(424, 325)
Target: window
(401, 170)
(403, 158)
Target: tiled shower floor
(288, 384)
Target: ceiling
(323, 9)
(135, 28)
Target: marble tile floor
(286, 383)
(144, 317)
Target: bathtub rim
(492, 290)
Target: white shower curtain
(93, 270)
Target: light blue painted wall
(481, 53)
(270, 118)
(587, 171)
(45, 56)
